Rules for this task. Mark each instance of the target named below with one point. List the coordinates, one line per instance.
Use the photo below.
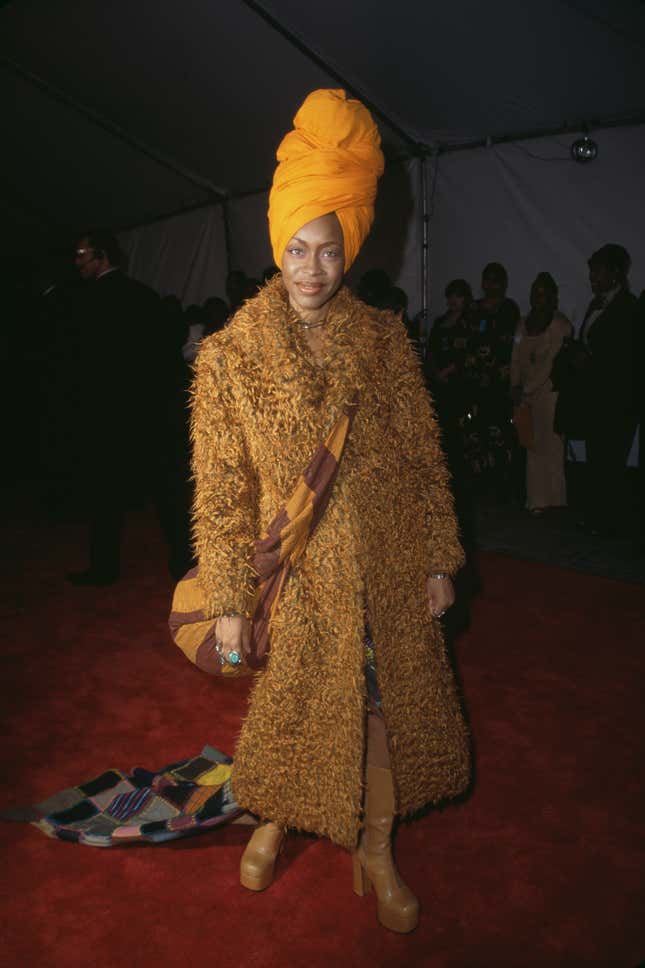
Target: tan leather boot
(398, 908)
(258, 860)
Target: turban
(330, 162)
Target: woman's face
(493, 285)
(313, 266)
(455, 303)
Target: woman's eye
(330, 254)
(295, 250)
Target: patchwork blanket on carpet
(118, 808)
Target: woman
(447, 374)
(445, 364)
(491, 439)
(538, 341)
(268, 389)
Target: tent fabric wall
(248, 232)
(506, 204)
(189, 255)
(184, 255)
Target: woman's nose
(312, 264)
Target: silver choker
(311, 325)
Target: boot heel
(257, 866)
(398, 908)
(362, 883)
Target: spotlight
(584, 150)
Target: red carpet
(541, 866)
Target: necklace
(311, 325)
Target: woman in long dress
(490, 440)
(538, 340)
(445, 364)
(448, 372)
(355, 717)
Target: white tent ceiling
(117, 113)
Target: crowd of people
(508, 390)
(505, 385)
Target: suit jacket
(119, 369)
(611, 340)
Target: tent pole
(205, 184)
(227, 236)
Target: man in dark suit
(609, 334)
(123, 367)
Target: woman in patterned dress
(491, 438)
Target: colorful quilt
(118, 808)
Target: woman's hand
(234, 633)
(441, 595)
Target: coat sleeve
(416, 437)
(225, 516)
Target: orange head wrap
(330, 162)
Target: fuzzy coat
(261, 407)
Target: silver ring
(234, 658)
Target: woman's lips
(309, 289)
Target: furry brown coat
(261, 407)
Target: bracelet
(440, 576)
